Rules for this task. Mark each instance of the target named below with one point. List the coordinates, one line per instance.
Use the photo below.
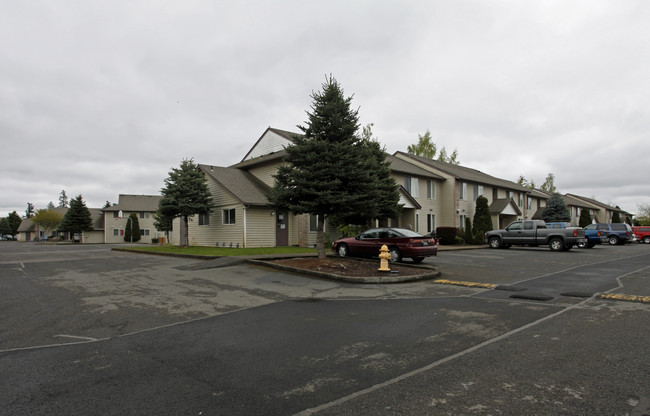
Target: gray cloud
(104, 98)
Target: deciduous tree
(425, 147)
(14, 222)
(47, 220)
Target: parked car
(594, 236)
(615, 233)
(401, 243)
(534, 233)
(7, 237)
(642, 234)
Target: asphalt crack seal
(466, 284)
(623, 297)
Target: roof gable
(138, 203)
(242, 185)
(272, 140)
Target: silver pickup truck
(535, 233)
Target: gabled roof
(402, 166)
(500, 205)
(571, 200)
(242, 185)
(596, 203)
(26, 226)
(130, 203)
(261, 160)
(466, 174)
(406, 200)
(286, 137)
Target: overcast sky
(103, 98)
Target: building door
(281, 229)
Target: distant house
(29, 231)
(116, 216)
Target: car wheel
(556, 244)
(343, 250)
(494, 242)
(646, 239)
(395, 254)
(613, 240)
(417, 259)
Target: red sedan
(400, 242)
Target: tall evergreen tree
(77, 219)
(330, 170)
(556, 210)
(585, 218)
(132, 229)
(63, 199)
(482, 219)
(29, 212)
(185, 194)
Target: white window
(431, 223)
(144, 214)
(478, 191)
(313, 222)
(431, 189)
(412, 186)
(144, 232)
(521, 199)
(204, 219)
(116, 232)
(228, 216)
(462, 190)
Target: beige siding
(265, 173)
(260, 226)
(112, 224)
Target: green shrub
(447, 235)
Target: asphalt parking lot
(88, 330)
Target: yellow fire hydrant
(384, 255)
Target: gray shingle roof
(130, 203)
(241, 184)
(467, 174)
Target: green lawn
(220, 251)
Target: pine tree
(330, 171)
(482, 219)
(5, 228)
(185, 194)
(556, 210)
(63, 199)
(585, 218)
(132, 229)
(77, 219)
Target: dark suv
(614, 233)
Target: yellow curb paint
(466, 284)
(627, 298)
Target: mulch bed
(350, 267)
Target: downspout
(244, 239)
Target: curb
(389, 278)
(465, 284)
